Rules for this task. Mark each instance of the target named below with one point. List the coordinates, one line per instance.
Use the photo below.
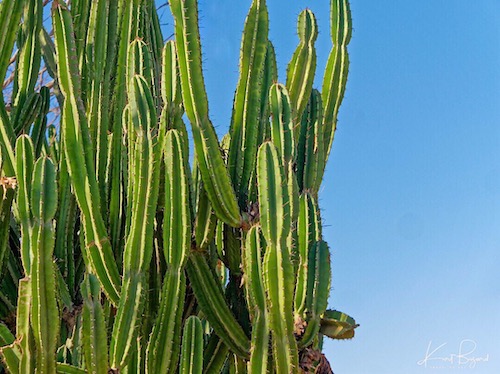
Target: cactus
(119, 255)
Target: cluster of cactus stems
(118, 254)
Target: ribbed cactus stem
(44, 312)
(256, 294)
(24, 173)
(24, 330)
(247, 100)
(192, 347)
(277, 265)
(337, 67)
(302, 67)
(139, 243)
(95, 342)
(79, 156)
(282, 124)
(214, 174)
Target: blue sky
(410, 200)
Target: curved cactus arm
(139, 243)
(95, 342)
(337, 67)
(215, 176)
(256, 294)
(318, 289)
(277, 265)
(302, 67)
(79, 157)
(24, 173)
(208, 291)
(44, 312)
(337, 325)
(247, 100)
(192, 347)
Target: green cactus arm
(44, 312)
(192, 347)
(277, 266)
(318, 289)
(139, 242)
(293, 198)
(308, 232)
(270, 76)
(126, 325)
(337, 67)
(311, 156)
(338, 325)
(79, 157)
(282, 124)
(278, 280)
(214, 355)
(302, 67)
(7, 190)
(170, 85)
(208, 291)
(273, 197)
(205, 221)
(10, 18)
(23, 327)
(256, 294)
(177, 216)
(64, 249)
(69, 369)
(97, 61)
(24, 173)
(162, 350)
(126, 32)
(27, 112)
(9, 12)
(10, 354)
(94, 337)
(28, 63)
(214, 174)
(40, 125)
(246, 108)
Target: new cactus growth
(116, 254)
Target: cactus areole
(117, 254)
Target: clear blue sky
(410, 200)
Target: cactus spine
(119, 255)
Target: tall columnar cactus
(117, 254)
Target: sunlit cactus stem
(120, 252)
